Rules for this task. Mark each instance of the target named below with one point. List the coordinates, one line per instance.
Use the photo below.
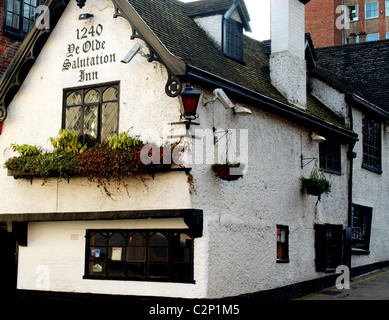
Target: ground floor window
(282, 244)
(361, 226)
(328, 247)
(139, 255)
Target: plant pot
(223, 172)
(315, 188)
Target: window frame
(366, 144)
(366, 11)
(85, 89)
(285, 245)
(147, 261)
(11, 31)
(330, 151)
(364, 215)
(387, 9)
(356, 18)
(239, 26)
(324, 246)
(376, 35)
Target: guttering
(267, 104)
(352, 98)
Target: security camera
(131, 54)
(220, 94)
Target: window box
(122, 157)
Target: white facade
(237, 251)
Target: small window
(328, 247)
(371, 131)
(233, 39)
(371, 9)
(361, 227)
(19, 16)
(282, 244)
(330, 156)
(387, 35)
(139, 255)
(352, 13)
(372, 37)
(387, 8)
(348, 40)
(92, 113)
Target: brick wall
(320, 18)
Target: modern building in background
(365, 20)
(16, 19)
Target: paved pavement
(371, 286)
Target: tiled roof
(209, 7)
(364, 66)
(188, 42)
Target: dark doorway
(7, 264)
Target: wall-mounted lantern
(189, 100)
(81, 3)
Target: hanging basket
(223, 171)
(316, 184)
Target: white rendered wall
(287, 59)
(35, 114)
(242, 215)
(213, 27)
(54, 260)
(370, 189)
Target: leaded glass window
(92, 113)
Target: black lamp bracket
(305, 161)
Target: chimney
(287, 59)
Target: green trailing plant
(26, 149)
(123, 141)
(121, 157)
(67, 142)
(316, 184)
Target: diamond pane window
(92, 113)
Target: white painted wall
(371, 190)
(55, 260)
(35, 114)
(213, 27)
(237, 253)
(242, 215)
(331, 98)
(287, 59)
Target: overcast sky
(259, 11)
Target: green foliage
(43, 165)
(67, 142)
(123, 141)
(316, 184)
(26, 149)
